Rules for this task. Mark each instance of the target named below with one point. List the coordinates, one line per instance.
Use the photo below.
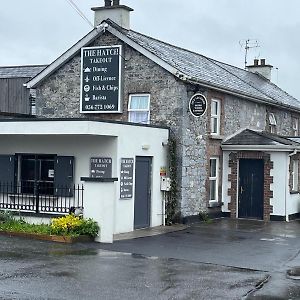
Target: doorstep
(139, 233)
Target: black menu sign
(126, 178)
(198, 105)
(101, 79)
(101, 167)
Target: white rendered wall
(225, 183)
(131, 146)
(280, 182)
(96, 139)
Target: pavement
(226, 259)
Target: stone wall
(59, 96)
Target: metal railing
(40, 197)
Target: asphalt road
(272, 248)
(222, 260)
(43, 270)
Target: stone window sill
(212, 204)
(216, 137)
(294, 192)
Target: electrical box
(165, 184)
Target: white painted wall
(84, 139)
(280, 182)
(225, 183)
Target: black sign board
(198, 105)
(101, 79)
(101, 167)
(126, 178)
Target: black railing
(40, 197)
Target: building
(226, 122)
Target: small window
(215, 117)
(213, 179)
(295, 175)
(272, 123)
(139, 109)
(295, 127)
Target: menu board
(126, 178)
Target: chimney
(262, 68)
(120, 14)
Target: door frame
(238, 190)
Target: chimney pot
(255, 62)
(116, 2)
(107, 3)
(262, 62)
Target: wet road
(43, 270)
(272, 248)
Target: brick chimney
(120, 14)
(262, 68)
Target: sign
(126, 178)
(50, 173)
(101, 167)
(163, 171)
(198, 105)
(101, 79)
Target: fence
(40, 197)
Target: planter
(53, 238)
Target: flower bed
(66, 229)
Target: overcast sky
(38, 31)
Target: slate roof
(21, 71)
(206, 70)
(194, 67)
(251, 137)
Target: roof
(21, 71)
(252, 137)
(187, 66)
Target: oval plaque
(198, 105)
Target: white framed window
(215, 117)
(213, 179)
(295, 175)
(139, 108)
(272, 122)
(295, 126)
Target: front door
(251, 189)
(142, 194)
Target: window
(295, 127)
(139, 109)
(215, 117)
(36, 169)
(295, 175)
(272, 123)
(213, 179)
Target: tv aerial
(247, 45)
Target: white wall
(225, 183)
(280, 182)
(86, 139)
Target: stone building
(231, 136)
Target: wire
(81, 14)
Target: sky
(37, 32)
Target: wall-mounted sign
(101, 167)
(101, 79)
(126, 178)
(163, 171)
(198, 105)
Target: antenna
(247, 45)
(80, 13)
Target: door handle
(242, 190)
